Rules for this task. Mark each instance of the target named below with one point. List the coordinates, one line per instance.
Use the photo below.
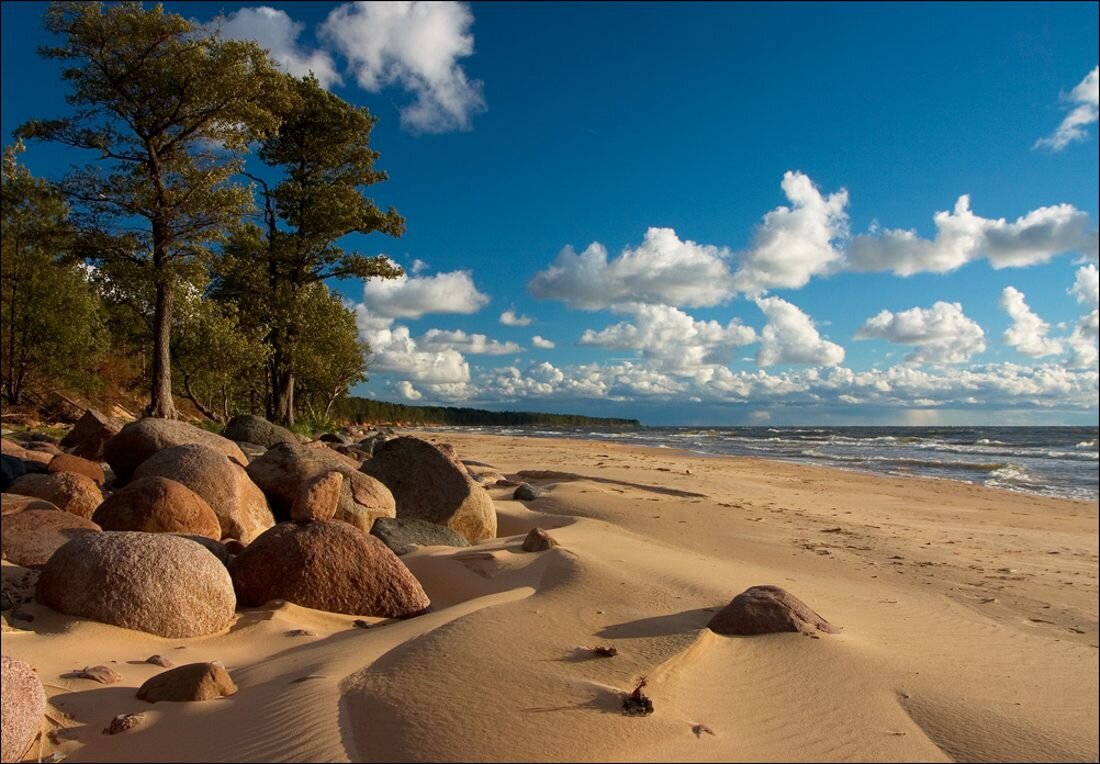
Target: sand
(968, 622)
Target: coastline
(967, 616)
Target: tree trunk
(160, 401)
(284, 398)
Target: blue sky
(749, 193)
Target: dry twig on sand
(638, 703)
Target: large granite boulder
(69, 491)
(89, 435)
(22, 708)
(327, 566)
(431, 484)
(154, 582)
(286, 466)
(403, 535)
(33, 461)
(240, 505)
(318, 498)
(253, 429)
(139, 440)
(81, 466)
(29, 538)
(767, 610)
(158, 505)
(194, 682)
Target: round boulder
(239, 504)
(253, 429)
(328, 566)
(30, 537)
(70, 463)
(69, 491)
(286, 466)
(318, 498)
(767, 610)
(10, 503)
(153, 582)
(158, 505)
(430, 484)
(403, 535)
(22, 707)
(139, 440)
(190, 683)
(538, 540)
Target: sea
(1047, 461)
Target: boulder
(33, 461)
(30, 537)
(254, 429)
(154, 582)
(352, 452)
(158, 505)
(251, 450)
(43, 447)
(286, 466)
(11, 467)
(317, 498)
(216, 548)
(22, 708)
(403, 535)
(190, 683)
(10, 503)
(333, 437)
(427, 484)
(330, 566)
(70, 463)
(538, 540)
(69, 491)
(766, 610)
(139, 440)
(239, 504)
(483, 474)
(89, 435)
(526, 492)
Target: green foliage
(50, 319)
(367, 410)
(165, 105)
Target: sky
(707, 214)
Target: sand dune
(968, 631)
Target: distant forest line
(363, 410)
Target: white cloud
(1086, 96)
(408, 392)
(962, 236)
(794, 243)
(436, 340)
(511, 318)
(412, 297)
(790, 337)
(671, 338)
(1083, 341)
(1028, 333)
(415, 45)
(278, 33)
(540, 342)
(418, 266)
(662, 270)
(394, 350)
(942, 334)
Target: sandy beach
(967, 617)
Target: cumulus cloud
(278, 33)
(394, 350)
(408, 392)
(415, 45)
(1028, 333)
(1086, 96)
(672, 338)
(540, 342)
(1083, 341)
(790, 337)
(436, 340)
(794, 243)
(962, 236)
(942, 334)
(662, 270)
(412, 297)
(511, 318)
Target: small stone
(159, 660)
(526, 492)
(193, 682)
(538, 540)
(123, 722)
(101, 674)
(301, 633)
(359, 623)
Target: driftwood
(638, 703)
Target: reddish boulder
(317, 498)
(327, 565)
(89, 435)
(70, 463)
(158, 505)
(69, 491)
(139, 440)
(22, 708)
(191, 683)
(10, 503)
(29, 538)
(767, 610)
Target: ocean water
(1049, 461)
